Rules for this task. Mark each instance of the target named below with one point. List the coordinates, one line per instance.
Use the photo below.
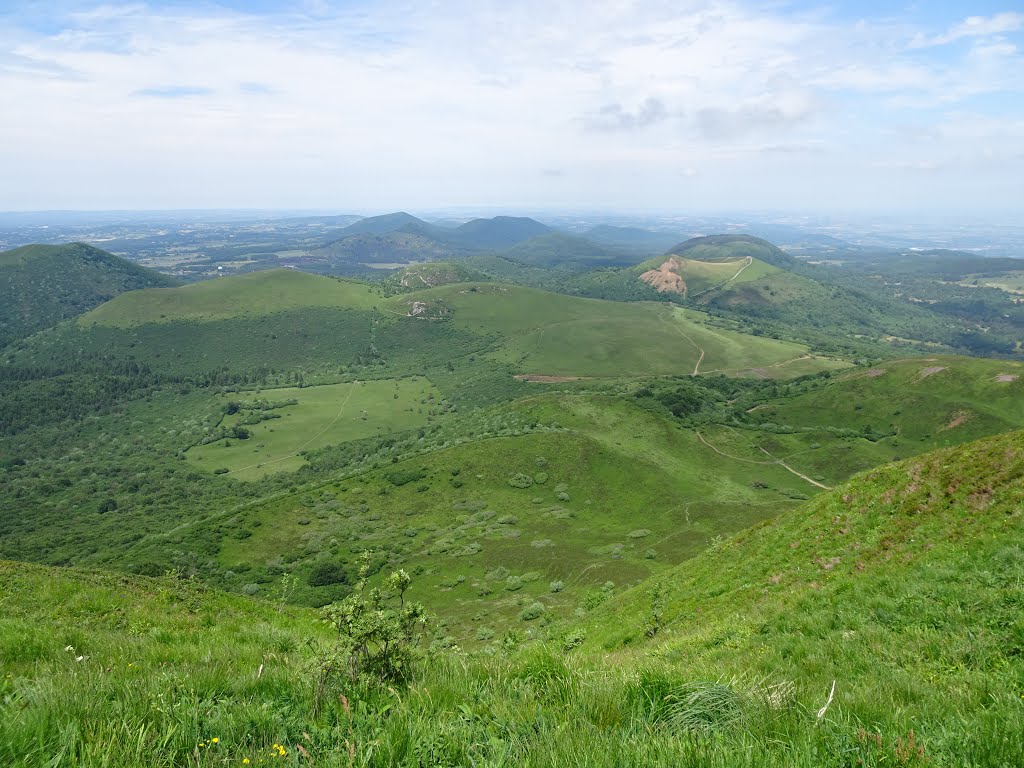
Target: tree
(377, 632)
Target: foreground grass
(903, 587)
(102, 671)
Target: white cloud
(403, 105)
(973, 26)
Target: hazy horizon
(704, 107)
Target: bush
(376, 633)
(532, 611)
(324, 574)
(519, 480)
(556, 586)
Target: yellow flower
(245, 761)
(214, 740)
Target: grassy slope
(639, 494)
(253, 294)
(936, 401)
(550, 334)
(907, 413)
(903, 587)
(40, 285)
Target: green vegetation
(256, 293)
(276, 438)
(572, 336)
(40, 285)
(518, 508)
(878, 625)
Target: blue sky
(620, 105)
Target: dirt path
(718, 287)
(750, 260)
(681, 332)
(308, 442)
(774, 460)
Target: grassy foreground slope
(40, 285)
(903, 587)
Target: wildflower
(245, 761)
(215, 740)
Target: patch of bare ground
(1007, 377)
(958, 418)
(666, 279)
(931, 370)
(542, 379)
(874, 373)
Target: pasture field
(545, 334)
(238, 296)
(322, 415)
(1011, 282)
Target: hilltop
(41, 285)
(398, 238)
(254, 293)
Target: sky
(604, 105)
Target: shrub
(519, 480)
(532, 611)
(377, 632)
(556, 586)
(327, 573)
(513, 583)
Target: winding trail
(774, 460)
(302, 447)
(696, 368)
(750, 260)
(681, 332)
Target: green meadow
(256, 293)
(567, 336)
(319, 416)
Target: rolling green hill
(732, 248)
(249, 295)
(548, 334)
(284, 318)
(387, 250)
(41, 285)
(877, 625)
(380, 225)
(564, 252)
(432, 274)
(499, 232)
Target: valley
(573, 462)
